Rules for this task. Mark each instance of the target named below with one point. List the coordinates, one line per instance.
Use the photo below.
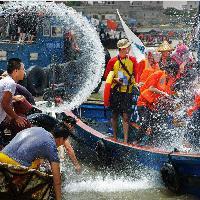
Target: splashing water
(108, 184)
(107, 181)
(176, 136)
(82, 75)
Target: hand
(78, 168)
(18, 98)
(149, 131)
(139, 84)
(21, 121)
(165, 94)
(118, 80)
(182, 67)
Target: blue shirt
(31, 144)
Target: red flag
(111, 24)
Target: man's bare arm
(55, 167)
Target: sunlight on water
(83, 75)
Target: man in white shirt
(15, 72)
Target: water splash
(174, 134)
(108, 184)
(86, 72)
(108, 180)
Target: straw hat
(165, 46)
(123, 43)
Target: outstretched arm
(6, 105)
(157, 91)
(70, 152)
(55, 167)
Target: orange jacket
(152, 80)
(148, 71)
(138, 69)
(158, 80)
(196, 105)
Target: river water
(103, 184)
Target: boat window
(46, 28)
(56, 31)
(33, 56)
(3, 55)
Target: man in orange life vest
(124, 67)
(165, 49)
(151, 65)
(158, 85)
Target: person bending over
(36, 143)
(48, 123)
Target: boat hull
(99, 147)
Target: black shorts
(120, 102)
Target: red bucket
(22, 107)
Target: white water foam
(88, 70)
(107, 184)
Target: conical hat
(165, 46)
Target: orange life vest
(107, 88)
(158, 80)
(196, 105)
(148, 71)
(152, 80)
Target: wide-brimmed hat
(165, 46)
(123, 43)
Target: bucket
(22, 106)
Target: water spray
(87, 69)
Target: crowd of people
(21, 25)
(156, 82)
(34, 136)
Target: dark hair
(13, 64)
(43, 120)
(65, 118)
(60, 130)
(172, 69)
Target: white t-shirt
(6, 84)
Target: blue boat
(179, 170)
(49, 48)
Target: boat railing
(14, 42)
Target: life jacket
(197, 100)
(147, 73)
(107, 88)
(109, 66)
(158, 80)
(119, 68)
(152, 80)
(143, 102)
(139, 68)
(196, 105)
